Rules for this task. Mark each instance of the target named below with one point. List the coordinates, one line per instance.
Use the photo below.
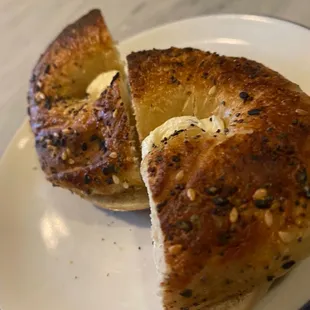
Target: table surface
(27, 26)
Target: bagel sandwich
(227, 176)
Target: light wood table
(27, 26)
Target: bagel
(225, 157)
(86, 143)
(230, 202)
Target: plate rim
(266, 17)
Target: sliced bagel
(177, 82)
(230, 206)
(85, 143)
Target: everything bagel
(230, 203)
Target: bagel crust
(87, 145)
(230, 210)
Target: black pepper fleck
(109, 180)
(108, 170)
(160, 206)
(288, 264)
(47, 69)
(220, 201)
(159, 159)
(180, 186)
(93, 138)
(174, 80)
(177, 132)
(245, 96)
(263, 203)
(270, 278)
(48, 103)
(187, 293)
(176, 158)
(87, 179)
(254, 112)
(84, 146)
(103, 146)
(185, 225)
(301, 176)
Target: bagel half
(230, 206)
(85, 143)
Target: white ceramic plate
(59, 252)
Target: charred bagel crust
(85, 145)
(240, 215)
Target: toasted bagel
(230, 208)
(225, 157)
(85, 143)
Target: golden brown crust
(238, 217)
(176, 82)
(85, 145)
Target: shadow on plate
(139, 218)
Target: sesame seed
(286, 237)
(260, 194)
(51, 147)
(212, 90)
(212, 190)
(68, 151)
(71, 161)
(64, 156)
(115, 113)
(125, 185)
(113, 155)
(39, 96)
(191, 194)
(301, 112)
(233, 216)
(175, 249)
(179, 176)
(66, 131)
(39, 84)
(56, 135)
(268, 218)
(115, 179)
